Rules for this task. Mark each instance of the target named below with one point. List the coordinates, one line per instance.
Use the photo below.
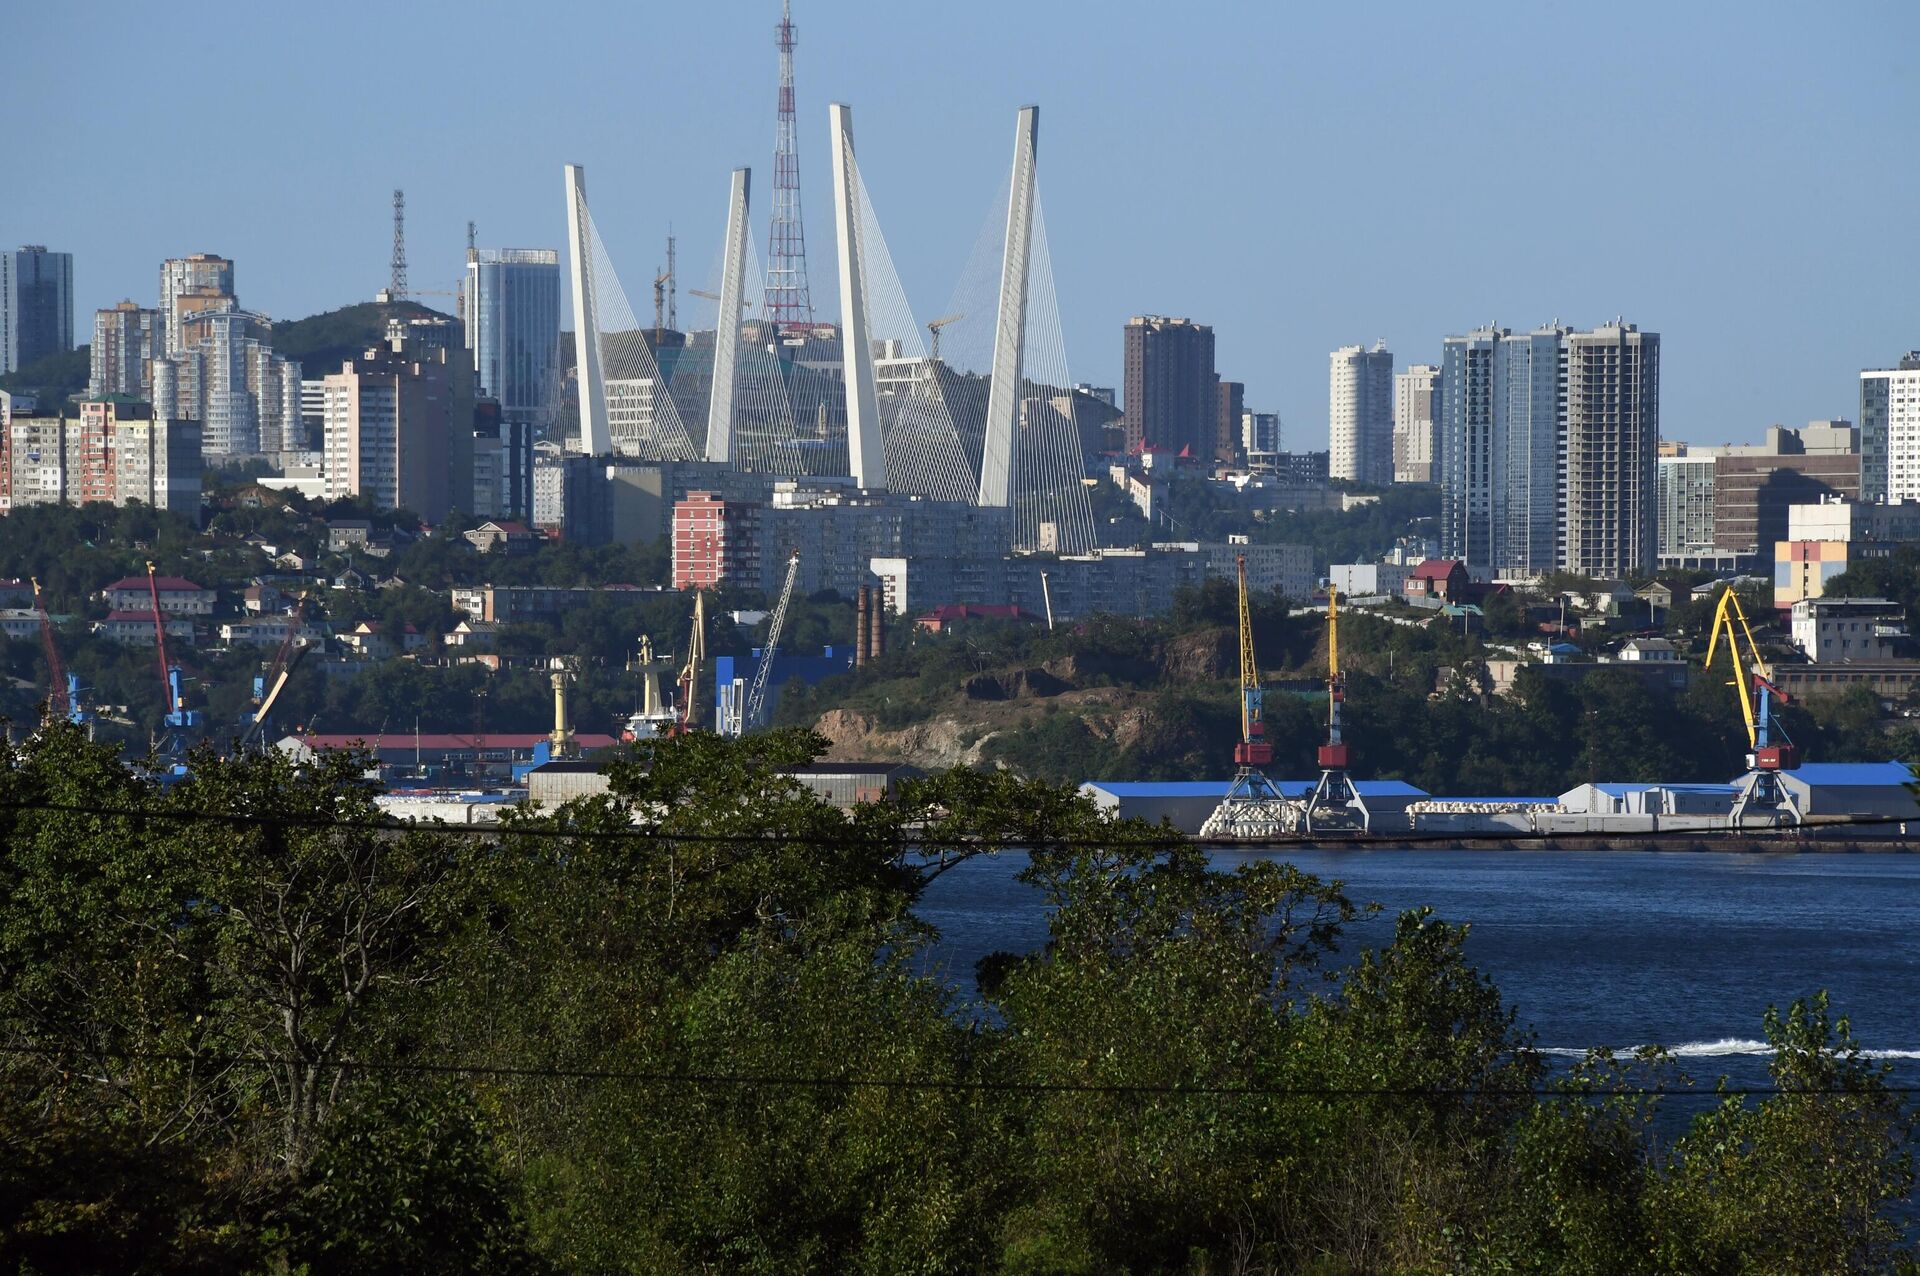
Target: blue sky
(1741, 177)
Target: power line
(681, 1079)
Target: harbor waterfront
(1591, 948)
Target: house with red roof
(1435, 582)
(951, 614)
(178, 596)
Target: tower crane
(756, 697)
(1760, 788)
(688, 686)
(1253, 807)
(665, 304)
(933, 331)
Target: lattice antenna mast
(789, 303)
(397, 284)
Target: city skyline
(1211, 204)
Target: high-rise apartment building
(1546, 442)
(228, 405)
(1233, 405)
(1612, 435)
(396, 422)
(189, 285)
(1413, 407)
(715, 542)
(1686, 485)
(1260, 433)
(1360, 414)
(1890, 431)
(511, 298)
(126, 341)
(116, 451)
(36, 305)
(1172, 403)
(1498, 434)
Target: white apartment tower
(1413, 405)
(1360, 414)
(1890, 431)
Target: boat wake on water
(1724, 1047)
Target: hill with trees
(1157, 699)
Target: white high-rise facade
(1890, 431)
(1360, 414)
(1413, 404)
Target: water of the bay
(1686, 949)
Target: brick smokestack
(860, 653)
(877, 640)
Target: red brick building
(715, 543)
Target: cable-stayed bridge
(976, 408)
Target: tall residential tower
(36, 306)
(1171, 401)
(1360, 414)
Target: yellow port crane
(1253, 808)
(1767, 756)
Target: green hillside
(322, 342)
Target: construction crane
(267, 688)
(1767, 757)
(1253, 807)
(756, 699)
(688, 686)
(60, 702)
(665, 307)
(1334, 802)
(933, 331)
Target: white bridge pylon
(1010, 324)
(866, 456)
(595, 439)
(726, 329)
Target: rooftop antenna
(397, 283)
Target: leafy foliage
(680, 1027)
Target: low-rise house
(178, 596)
(19, 622)
(135, 628)
(943, 618)
(260, 599)
(270, 631)
(1648, 649)
(1435, 582)
(478, 635)
(509, 536)
(375, 640)
(344, 535)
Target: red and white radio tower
(789, 304)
